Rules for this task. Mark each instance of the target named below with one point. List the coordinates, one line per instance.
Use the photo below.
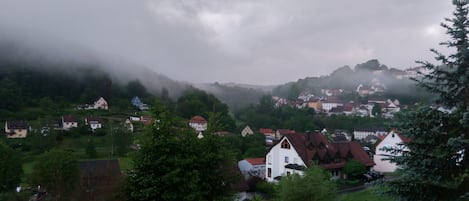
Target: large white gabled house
(392, 140)
(295, 152)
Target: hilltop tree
(435, 165)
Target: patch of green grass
(125, 163)
(369, 194)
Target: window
(269, 159)
(286, 159)
(285, 145)
(269, 172)
(288, 173)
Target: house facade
(16, 129)
(392, 140)
(94, 122)
(252, 167)
(198, 123)
(296, 152)
(101, 104)
(69, 121)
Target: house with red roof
(295, 152)
(252, 167)
(69, 121)
(198, 123)
(392, 140)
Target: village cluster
(20, 128)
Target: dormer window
(285, 145)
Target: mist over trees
(348, 79)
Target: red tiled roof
(285, 131)
(198, 119)
(349, 107)
(266, 131)
(256, 161)
(404, 138)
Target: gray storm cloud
(259, 42)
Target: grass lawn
(364, 195)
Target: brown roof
(285, 131)
(356, 150)
(256, 161)
(69, 118)
(315, 146)
(17, 124)
(94, 120)
(198, 119)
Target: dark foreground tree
(10, 169)
(173, 164)
(436, 164)
(56, 171)
(315, 185)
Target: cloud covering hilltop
(258, 42)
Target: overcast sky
(244, 41)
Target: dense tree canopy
(10, 169)
(196, 102)
(173, 164)
(435, 165)
(315, 185)
(57, 172)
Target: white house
(295, 152)
(252, 167)
(362, 133)
(247, 131)
(100, 104)
(328, 104)
(392, 140)
(198, 123)
(16, 129)
(128, 124)
(69, 121)
(94, 122)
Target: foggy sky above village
(244, 41)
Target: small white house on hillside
(392, 140)
(252, 167)
(69, 121)
(100, 104)
(247, 131)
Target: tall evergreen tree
(435, 164)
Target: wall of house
(275, 160)
(95, 126)
(68, 125)
(391, 140)
(360, 135)
(18, 133)
(198, 126)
